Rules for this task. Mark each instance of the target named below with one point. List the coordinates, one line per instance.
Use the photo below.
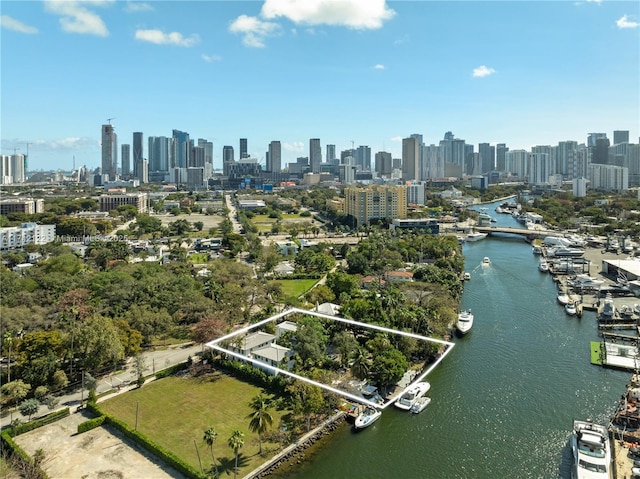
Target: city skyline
(350, 73)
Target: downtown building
(315, 155)
(109, 153)
(12, 169)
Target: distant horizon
(367, 72)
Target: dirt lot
(97, 454)
(209, 221)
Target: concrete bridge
(527, 233)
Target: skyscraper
(243, 148)
(125, 160)
(620, 136)
(138, 152)
(501, 151)
(383, 163)
(487, 157)
(159, 152)
(227, 154)
(109, 152)
(274, 158)
(183, 148)
(363, 158)
(410, 159)
(315, 155)
(331, 153)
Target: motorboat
(476, 236)
(420, 404)
(536, 249)
(486, 260)
(367, 417)
(465, 322)
(563, 298)
(543, 266)
(563, 251)
(466, 276)
(570, 308)
(608, 311)
(411, 395)
(591, 450)
(584, 281)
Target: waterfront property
(244, 343)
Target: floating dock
(615, 355)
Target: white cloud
(483, 71)
(71, 143)
(296, 146)
(595, 1)
(379, 66)
(396, 139)
(402, 40)
(160, 38)
(16, 25)
(211, 58)
(133, 7)
(254, 30)
(625, 22)
(75, 18)
(356, 14)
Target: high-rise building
(315, 155)
(227, 153)
(620, 136)
(138, 152)
(197, 157)
(125, 160)
(501, 152)
(363, 158)
(487, 158)
(109, 153)
(600, 151)
(159, 152)
(375, 202)
(244, 152)
(274, 157)
(331, 153)
(591, 139)
(383, 163)
(182, 148)
(6, 170)
(208, 150)
(410, 159)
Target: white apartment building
(15, 237)
(608, 177)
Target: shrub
(90, 424)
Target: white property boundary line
(214, 345)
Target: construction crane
(109, 120)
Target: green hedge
(253, 375)
(36, 423)
(136, 436)
(8, 444)
(170, 371)
(90, 424)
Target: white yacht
(543, 266)
(465, 322)
(591, 448)
(411, 395)
(570, 308)
(367, 417)
(476, 236)
(486, 260)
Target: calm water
(503, 401)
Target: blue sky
(369, 72)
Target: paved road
(155, 361)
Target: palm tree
(236, 441)
(361, 365)
(260, 417)
(209, 437)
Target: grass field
(295, 287)
(174, 412)
(264, 223)
(198, 258)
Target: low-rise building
(15, 237)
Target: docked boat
(367, 417)
(420, 404)
(536, 249)
(476, 236)
(608, 312)
(486, 260)
(570, 308)
(543, 266)
(563, 298)
(465, 322)
(466, 276)
(591, 449)
(584, 281)
(565, 252)
(411, 395)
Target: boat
(367, 417)
(420, 404)
(565, 252)
(608, 312)
(570, 308)
(465, 322)
(476, 236)
(563, 298)
(584, 281)
(411, 395)
(536, 249)
(591, 450)
(466, 276)
(543, 266)
(486, 260)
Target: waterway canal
(503, 401)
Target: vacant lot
(295, 287)
(174, 412)
(97, 454)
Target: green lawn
(198, 258)
(174, 412)
(295, 287)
